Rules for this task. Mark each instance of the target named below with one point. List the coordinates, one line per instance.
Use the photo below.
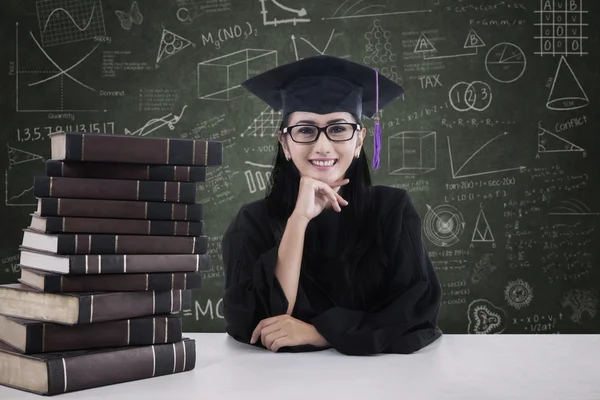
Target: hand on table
(284, 330)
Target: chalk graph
(27, 81)
(21, 164)
(67, 21)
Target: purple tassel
(377, 135)
(377, 144)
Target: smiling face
(325, 160)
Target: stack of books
(108, 263)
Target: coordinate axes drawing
(274, 22)
(67, 21)
(365, 11)
(26, 78)
(456, 173)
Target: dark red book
(95, 264)
(55, 283)
(142, 172)
(100, 147)
(74, 243)
(115, 225)
(114, 189)
(63, 372)
(29, 336)
(22, 301)
(95, 208)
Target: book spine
(118, 148)
(54, 206)
(135, 244)
(112, 306)
(118, 366)
(56, 283)
(48, 337)
(114, 189)
(146, 172)
(144, 227)
(138, 263)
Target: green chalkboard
(495, 138)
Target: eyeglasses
(338, 132)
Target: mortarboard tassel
(377, 135)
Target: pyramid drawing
(566, 92)
(473, 40)
(266, 124)
(16, 156)
(482, 231)
(549, 142)
(170, 44)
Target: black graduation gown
(401, 319)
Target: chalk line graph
(67, 21)
(456, 173)
(376, 11)
(25, 78)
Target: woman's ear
(284, 146)
(359, 141)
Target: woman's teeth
(323, 163)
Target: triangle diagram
(473, 40)
(267, 123)
(566, 92)
(423, 44)
(16, 156)
(549, 142)
(482, 231)
(170, 43)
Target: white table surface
(478, 367)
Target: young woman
(326, 259)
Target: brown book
(21, 301)
(54, 283)
(95, 264)
(133, 209)
(100, 147)
(114, 189)
(63, 372)
(73, 243)
(29, 336)
(142, 172)
(119, 226)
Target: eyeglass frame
(355, 125)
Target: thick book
(119, 226)
(75, 243)
(29, 336)
(21, 301)
(101, 147)
(142, 172)
(96, 264)
(63, 372)
(55, 283)
(126, 209)
(114, 189)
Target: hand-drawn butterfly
(134, 15)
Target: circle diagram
(505, 62)
(476, 95)
(443, 225)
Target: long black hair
(358, 229)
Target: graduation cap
(325, 84)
